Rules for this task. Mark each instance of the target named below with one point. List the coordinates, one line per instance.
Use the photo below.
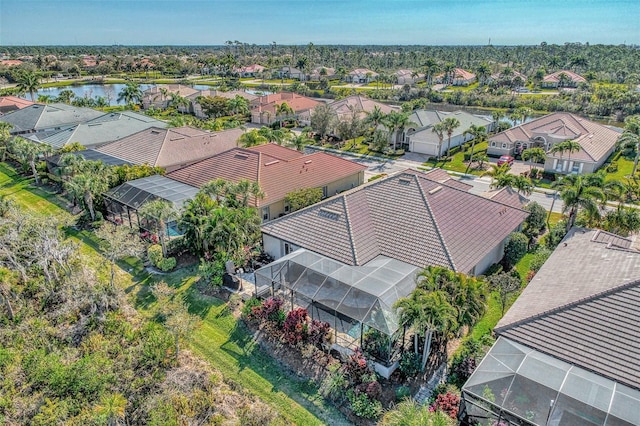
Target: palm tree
(28, 153)
(194, 221)
(251, 138)
(479, 135)
(396, 122)
(496, 171)
(131, 94)
(28, 81)
(450, 124)
(283, 110)
(577, 194)
(244, 190)
(483, 72)
(375, 117)
(160, 212)
(239, 105)
(5, 138)
(631, 139)
(65, 96)
(300, 141)
(534, 155)
(566, 146)
(93, 180)
(112, 408)
(275, 135)
(430, 68)
(439, 130)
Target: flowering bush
(356, 367)
(299, 328)
(447, 403)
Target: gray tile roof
(583, 306)
(92, 155)
(101, 130)
(40, 117)
(409, 217)
(426, 120)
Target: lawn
(220, 339)
(456, 163)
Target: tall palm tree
(577, 194)
(566, 146)
(375, 117)
(239, 105)
(92, 181)
(160, 212)
(5, 137)
(483, 72)
(194, 219)
(450, 124)
(496, 171)
(534, 155)
(28, 153)
(631, 139)
(396, 122)
(430, 69)
(131, 94)
(278, 136)
(479, 135)
(28, 81)
(439, 130)
(300, 141)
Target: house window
(575, 168)
(287, 207)
(493, 144)
(504, 145)
(265, 213)
(325, 191)
(288, 248)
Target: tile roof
(101, 130)
(92, 155)
(583, 306)
(596, 140)
(277, 172)
(39, 117)
(298, 103)
(227, 95)
(343, 107)
(363, 71)
(409, 216)
(171, 147)
(555, 77)
(12, 103)
(462, 74)
(507, 195)
(427, 119)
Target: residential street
(542, 196)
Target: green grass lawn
(457, 164)
(625, 167)
(220, 339)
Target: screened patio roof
(547, 391)
(365, 293)
(137, 192)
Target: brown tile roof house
(250, 70)
(171, 148)
(263, 109)
(278, 170)
(410, 216)
(344, 107)
(553, 80)
(12, 103)
(597, 142)
(10, 62)
(576, 324)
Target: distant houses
(38, 118)
(361, 76)
(562, 79)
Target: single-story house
(597, 142)
(12, 103)
(343, 108)
(408, 77)
(252, 70)
(562, 78)
(264, 110)
(171, 148)
(39, 118)
(513, 78)
(361, 76)
(458, 77)
(568, 348)
(319, 73)
(53, 162)
(99, 131)
(278, 171)
(160, 96)
(419, 136)
(349, 258)
(290, 73)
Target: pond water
(108, 91)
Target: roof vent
(329, 214)
(155, 132)
(308, 162)
(268, 163)
(241, 156)
(404, 181)
(436, 189)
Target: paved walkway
(426, 390)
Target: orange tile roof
(277, 151)
(11, 103)
(555, 77)
(277, 177)
(10, 62)
(297, 102)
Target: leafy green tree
(251, 138)
(479, 135)
(5, 137)
(323, 119)
(396, 122)
(159, 213)
(578, 194)
(214, 106)
(28, 153)
(174, 312)
(515, 249)
(117, 242)
(535, 223)
(239, 105)
(92, 179)
(302, 198)
(300, 141)
(506, 285)
(622, 220)
(65, 96)
(631, 139)
(278, 136)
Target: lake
(108, 91)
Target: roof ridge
(571, 305)
(349, 229)
(433, 221)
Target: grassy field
(220, 339)
(457, 164)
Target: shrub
(166, 264)
(363, 406)
(535, 223)
(247, 309)
(295, 326)
(612, 167)
(334, 383)
(409, 364)
(538, 259)
(356, 367)
(154, 254)
(515, 248)
(556, 234)
(447, 403)
(403, 392)
(462, 370)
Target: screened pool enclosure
(517, 385)
(122, 202)
(357, 301)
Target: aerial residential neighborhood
(386, 216)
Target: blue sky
(212, 22)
